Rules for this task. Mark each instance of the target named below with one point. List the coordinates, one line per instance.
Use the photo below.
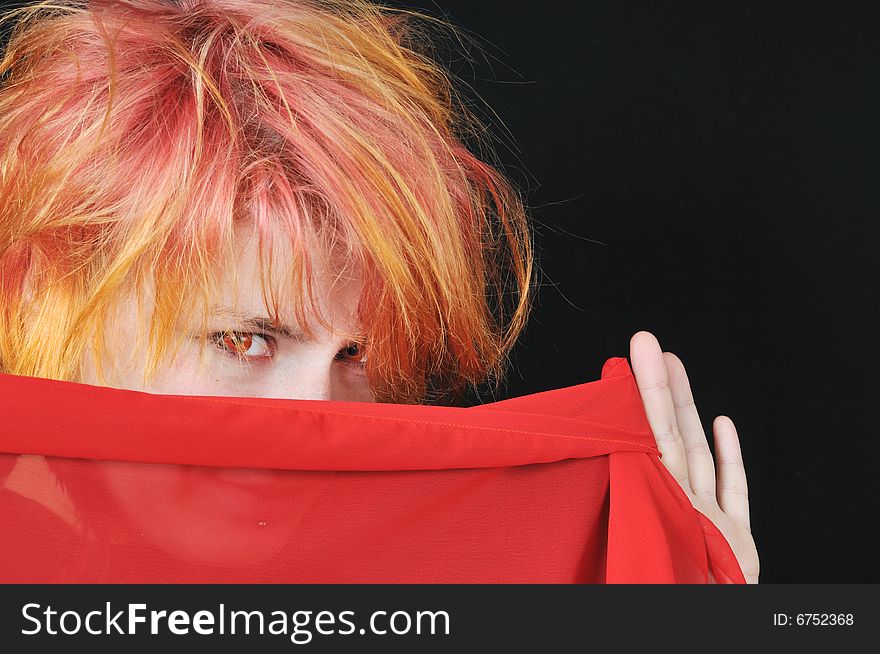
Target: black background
(708, 172)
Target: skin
(719, 492)
(255, 363)
(219, 517)
(250, 361)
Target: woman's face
(246, 355)
(229, 516)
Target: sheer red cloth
(101, 484)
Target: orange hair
(137, 135)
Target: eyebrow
(259, 323)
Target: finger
(733, 490)
(701, 465)
(649, 370)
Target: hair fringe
(138, 138)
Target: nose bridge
(309, 376)
(314, 382)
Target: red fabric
(106, 485)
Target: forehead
(261, 273)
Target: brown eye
(244, 345)
(353, 354)
(238, 343)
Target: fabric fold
(562, 486)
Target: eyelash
(361, 363)
(218, 337)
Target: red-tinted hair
(137, 135)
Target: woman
(273, 199)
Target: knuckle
(686, 404)
(699, 449)
(735, 489)
(662, 383)
(667, 434)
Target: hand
(672, 414)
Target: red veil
(101, 484)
